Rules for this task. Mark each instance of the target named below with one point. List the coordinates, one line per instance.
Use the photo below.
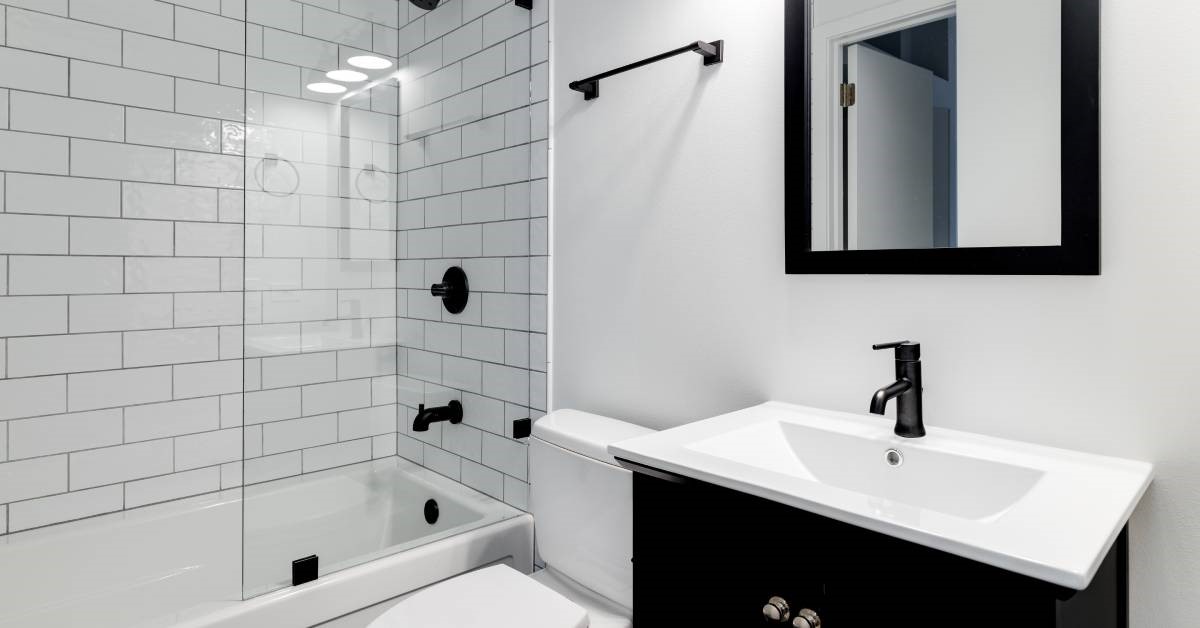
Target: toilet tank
(582, 502)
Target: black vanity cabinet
(709, 556)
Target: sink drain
(893, 457)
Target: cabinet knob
(806, 618)
(776, 610)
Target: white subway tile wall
(203, 263)
(472, 120)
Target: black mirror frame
(1079, 253)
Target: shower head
(427, 5)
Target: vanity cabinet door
(709, 556)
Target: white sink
(1047, 513)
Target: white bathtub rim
(352, 589)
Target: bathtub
(224, 560)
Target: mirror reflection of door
(899, 133)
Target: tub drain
(431, 511)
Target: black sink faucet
(906, 390)
(452, 412)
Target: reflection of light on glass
(368, 62)
(346, 76)
(326, 88)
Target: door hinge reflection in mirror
(849, 95)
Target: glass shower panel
(320, 302)
(380, 138)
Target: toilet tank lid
(585, 433)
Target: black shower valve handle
(441, 289)
(454, 291)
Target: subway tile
(506, 239)
(482, 479)
(174, 418)
(208, 170)
(483, 205)
(359, 363)
(62, 433)
(110, 389)
(207, 378)
(169, 202)
(64, 37)
(296, 370)
(507, 456)
(55, 115)
(367, 244)
(123, 86)
(93, 313)
(111, 236)
(26, 479)
(272, 467)
(273, 77)
(33, 71)
(460, 373)
(170, 346)
(484, 67)
(272, 405)
(334, 335)
(37, 194)
(233, 274)
(375, 303)
(336, 455)
(483, 136)
(483, 343)
(335, 27)
(214, 101)
(284, 14)
(510, 311)
(279, 45)
(463, 440)
(510, 92)
(383, 446)
(29, 152)
(442, 462)
(97, 467)
(196, 309)
(374, 421)
(343, 274)
(67, 507)
(506, 166)
(32, 396)
(53, 355)
(273, 274)
(183, 274)
(170, 487)
(505, 382)
(63, 275)
(208, 449)
(461, 175)
(336, 396)
(516, 493)
(173, 130)
(108, 160)
(281, 241)
(516, 273)
(300, 305)
(144, 16)
(33, 316)
(272, 339)
(462, 241)
(232, 344)
(516, 348)
(232, 69)
(312, 431)
(209, 239)
(517, 52)
(210, 30)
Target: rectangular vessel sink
(1047, 513)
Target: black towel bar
(713, 53)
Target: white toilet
(582, 505)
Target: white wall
(670, 303)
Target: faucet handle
(906, 350)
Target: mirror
(943, 137)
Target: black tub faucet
(906, 390)
(452, 412)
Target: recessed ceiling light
(368, 62)
(346, 76)
(326, 88)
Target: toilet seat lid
(495, 597)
